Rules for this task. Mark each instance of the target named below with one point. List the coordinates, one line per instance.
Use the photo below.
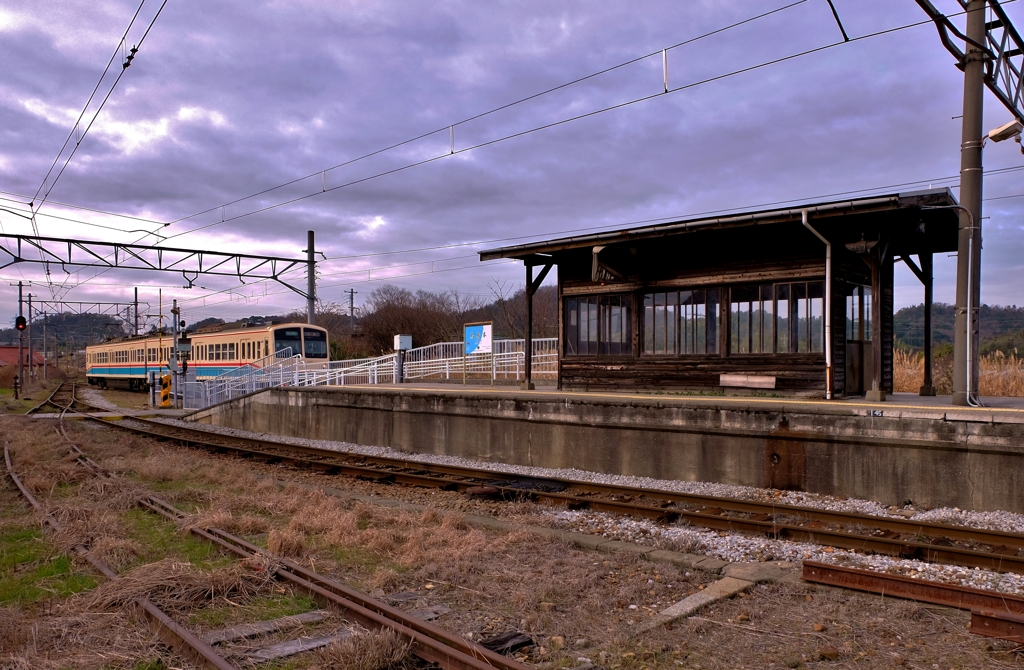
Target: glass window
(315, 342)
(678, 322)
(599, 325)
(777, 318)
(288, 338)
(751, 319)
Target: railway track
(61, 397)
(905, 538)
(427, 641)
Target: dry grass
(380, 650)
(178, 588)
(1000, 375)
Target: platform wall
(932, 457)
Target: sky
(225, 100)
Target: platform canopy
(907, 219)
(796, 299)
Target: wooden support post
(531, 288)
(927, 388)
(876, 393)
(528, 341)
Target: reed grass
(1000, 375)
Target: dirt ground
(575, 604)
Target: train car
(215, 351)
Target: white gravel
(95, 398)
(726, 546)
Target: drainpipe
(828, 303)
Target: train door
(245, 351)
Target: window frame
(605, 328)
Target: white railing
(278, 369)
(443, 361)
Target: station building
(793, 301)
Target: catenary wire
(578, 117)
(495, 110)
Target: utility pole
(968, 267)
(352, 310)
(173, 362)
(21, 347)
(31, 360)
(310, 278)
(136, 311)
(44, 347)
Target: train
(215, 350)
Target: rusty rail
(179, 639)
(49, 400)
(993, 614)
(646, 503)
(950, 595)
(431, 643)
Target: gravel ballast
(726, 546)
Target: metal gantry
(1002, 47)
(190, 263)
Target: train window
(288, 342)
(315, 343)
(231, 351)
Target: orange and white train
(215, 351)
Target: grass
(161, 539)
(260, 608)
(31, 569)
(1000, 375)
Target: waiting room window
(681, 322)
(777, 318)
(599, 325)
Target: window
(752, 320)
(681, 322)
(287, 339)
(777, 318)
(858, 313)
(315, 343)
(599, 325)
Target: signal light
(20, 323)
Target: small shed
(793, 301)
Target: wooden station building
(791, 301)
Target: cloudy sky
(225, 100)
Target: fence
(436, 362)
(274, 370)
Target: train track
(427, 641)
(61, 397)
(905, 538)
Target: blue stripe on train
(130, 372)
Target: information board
(477, 338)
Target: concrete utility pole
(968, 267)
(310, 279)
(136, 311)
(352, 310)
(21, 347)
(31, 359)
(44, 346)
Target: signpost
(476, 340)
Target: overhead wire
(382, 268)
(42, 187)
(546, 126)
(684, 87)
(496, 109)
(471, 118)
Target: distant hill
(1000, 326)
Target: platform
(911, 448)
